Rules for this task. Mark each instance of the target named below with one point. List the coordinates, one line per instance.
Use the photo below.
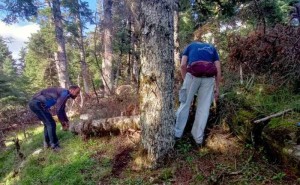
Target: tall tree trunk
(118, 69)
(134, 7)
(176, 41)
(60, 56)
(81, 93)
(83, 64)
(97, 59)
(107, 65)
(157, 78)
(135, 61)
(129, 67)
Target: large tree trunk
(134, 7)
(60, 56)
(176, 41)
(83, 64)
(96, 37)
(107, 65)
(129, 63)
(157, 78)
(118, 69)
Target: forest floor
(114, 159)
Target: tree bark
(118, 69)
(104, 126)
(272, 116)
(129, 69)
(134, 7)
(107, 65)
(176, 39)
(83, 64)
(60, 56)
(96, 56)
(157, 78)
(81, 93)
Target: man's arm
(61, 104)
(183, 66)
(218, 79)
(61, 114)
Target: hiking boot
(177, 141)
(46, 145)
(196, 146)
(57, 149)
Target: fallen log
(272, 116)
(105, 126)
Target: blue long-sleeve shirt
(54, 96)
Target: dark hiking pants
(50, 137)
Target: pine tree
(157, 78)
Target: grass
(72, 165)
(267, 101)
(95, 160)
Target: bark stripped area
(156, 78)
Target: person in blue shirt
(40, 105)
(203, 84)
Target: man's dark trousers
(50, 137)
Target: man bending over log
(40, 105)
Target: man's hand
(65, 126)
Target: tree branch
(272, 116)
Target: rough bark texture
(83, 64)
(156, 78)
(134, 51)
(60, 56)
(176, 39)
(107, 44)
(129, 67)
(134, 7)
(87, 126)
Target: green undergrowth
(287, 122)
(74, 164)
(244, 104)
(104, 161)
(264, 99)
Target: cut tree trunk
(157, 79)
(105, 126)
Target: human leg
(204, 100)
(187, 92)
(50, 137)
